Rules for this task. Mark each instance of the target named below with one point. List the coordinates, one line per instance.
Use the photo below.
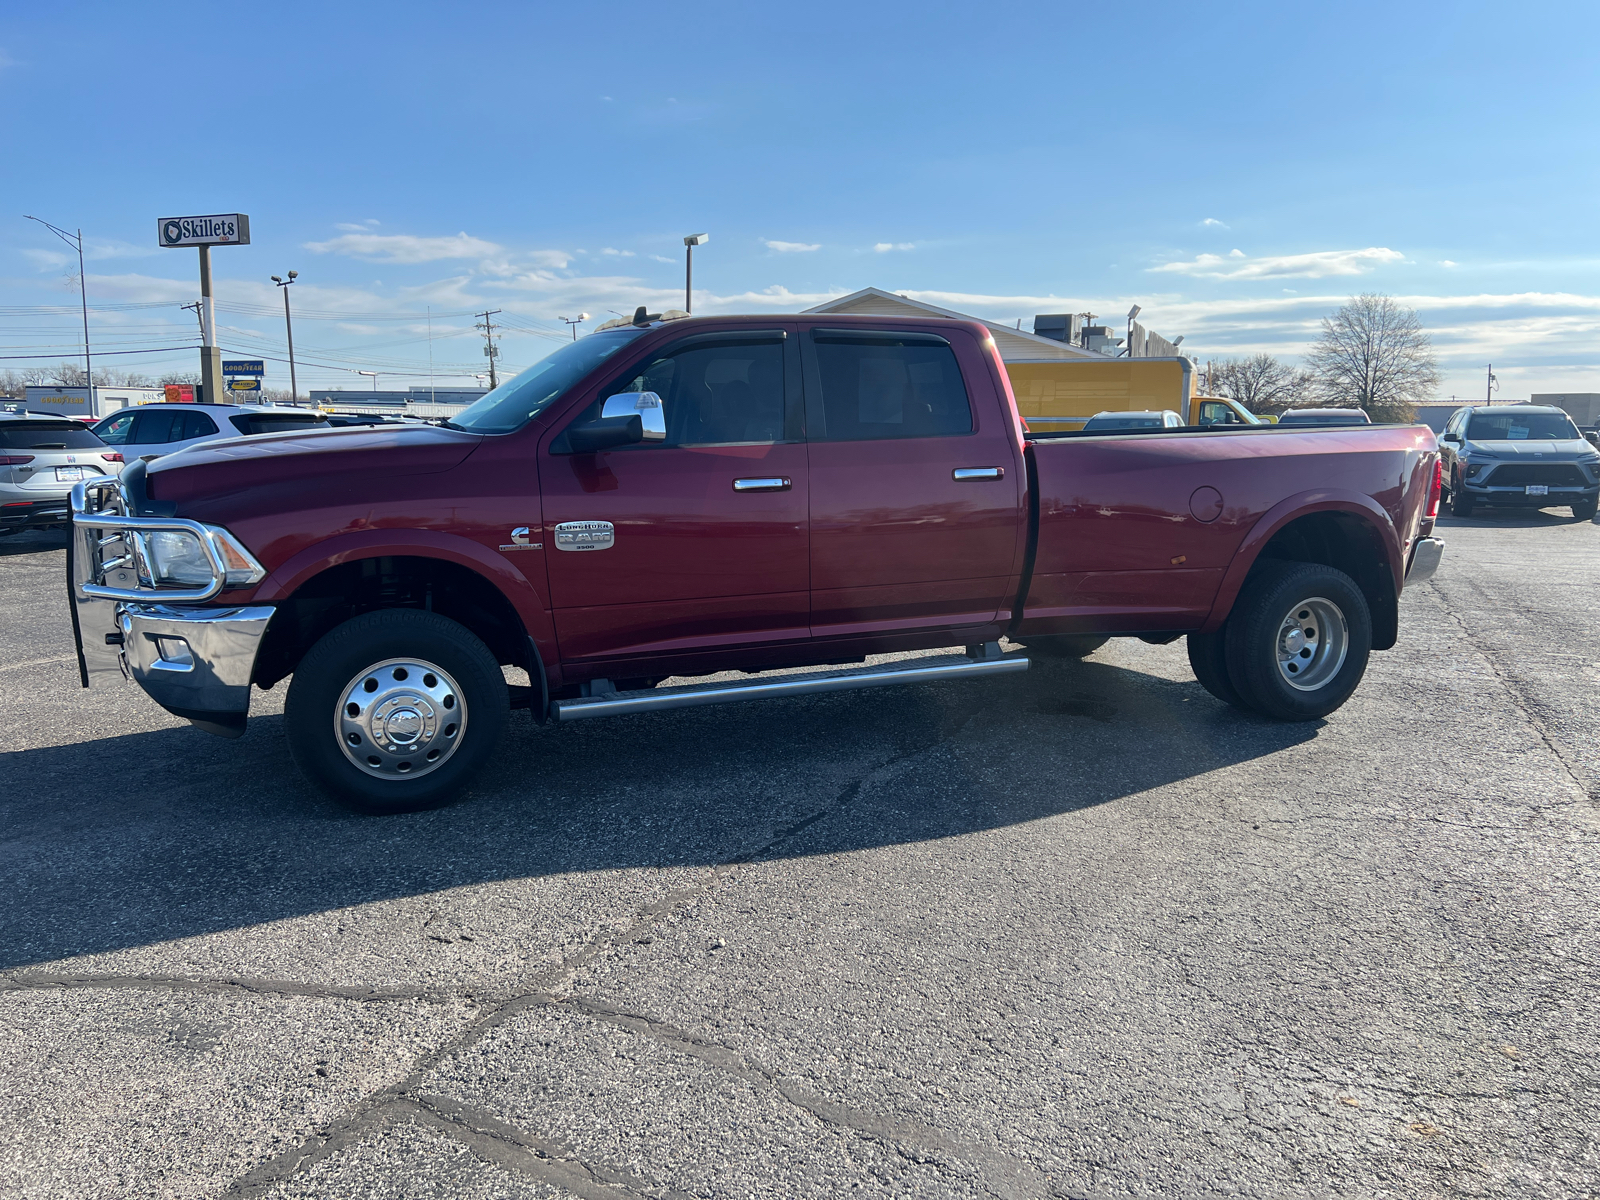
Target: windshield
(1522, 427)
(519, 399)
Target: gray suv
(40, 459)
(1518, 456)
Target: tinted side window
(196, 424)
(156, 428)
(114, 430)
(883, 387)
(250, 424)
(714, 392)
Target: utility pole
(432, 395)
(197, 320)
(83, 296)
(288, 325)
(490, 350)
(1489, 386)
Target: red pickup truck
(685, 497)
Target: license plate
(1538, 489)
(69, 474)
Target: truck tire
(1586, 510)
(1063, 645)
(1298, 640)
(1460, 502)
(1208, 659)
(395, 710)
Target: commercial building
(78, 402)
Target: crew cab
(684, 497)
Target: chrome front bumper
(1424, 560)
(195, 660)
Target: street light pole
(374, 375)
(689, 243)
(574, 322)
(83, 297)
(288, 325)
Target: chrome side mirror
(652, 416)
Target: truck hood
(1564, 451)
(233, 465)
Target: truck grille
(1522, 474)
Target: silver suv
(150, 430)
(1518, 456)
(40, 459)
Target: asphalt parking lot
(1083, 933)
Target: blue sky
(1237, 170)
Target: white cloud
(885, 247)
(1212, 223)
(790, 247)
(1445, 262)
(404, 248)
(615, 253)
(664, 258)
(1317, 265)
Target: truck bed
(1153, 532)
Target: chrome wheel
(400, 718)
(1313, 640)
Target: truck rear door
(917, 495)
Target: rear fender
(523, 594)
(1303, 504)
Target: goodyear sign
(221, 229)
(244, 366)
(244, 385)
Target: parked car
(1166, 419)
(156, 429)
(1325, 416)
(40, 459)
(1518, 456)
(683, 497)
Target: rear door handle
(764, 483)
(967, 474)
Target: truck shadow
(131, 840)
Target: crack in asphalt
(1520, 699)
(35, 981)
(512, 1147)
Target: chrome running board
(617, 704)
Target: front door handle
(968, 474)
(765, 483)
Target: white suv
(149, 430)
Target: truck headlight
(177, 558)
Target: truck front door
(707, 542)
(917, 516)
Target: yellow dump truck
(1066, 393)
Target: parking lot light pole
(76, 242)
(374, 375)
(288, 325)
(689, 243)
(574, 322)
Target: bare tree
(1261, 383)
(12, 385)
(1373, 354)
(66, 374)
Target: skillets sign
(222, 229)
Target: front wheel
(1298, 640)
(396, 710)
(1460, 502)
(1585, 510)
